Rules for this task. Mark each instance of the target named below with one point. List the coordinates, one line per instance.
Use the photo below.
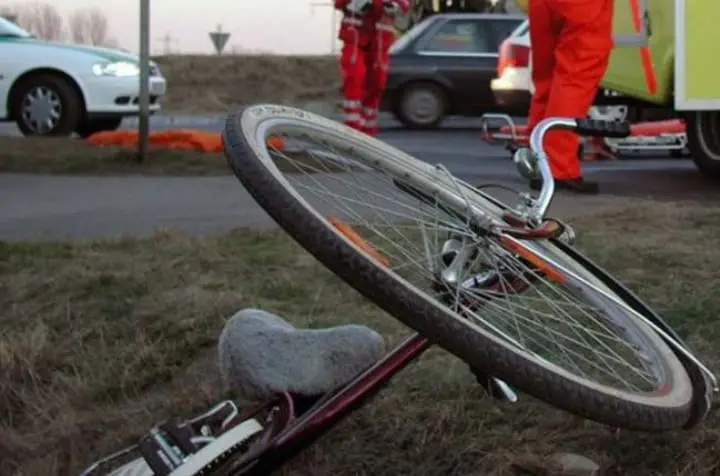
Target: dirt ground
(99, 339)
(206, 83)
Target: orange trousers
(571, 45)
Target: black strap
(600, 128)
(181, 435)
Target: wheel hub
(41, 110)
(423, 106)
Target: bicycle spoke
(552, 322)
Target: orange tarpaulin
(178, 139)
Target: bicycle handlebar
(586, 127)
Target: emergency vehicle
(662, 59)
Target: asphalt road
(54, 207)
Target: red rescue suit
(367, 34)
(571, 45)
(378, 58)
(355, 33)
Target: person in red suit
(355, 33)
(382, 15)
(571, 45)
(366, 32)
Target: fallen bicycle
(499, 287)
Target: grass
(71, 156)
(208, 83)
(98, 339)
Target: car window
(522, 29)
(409, 36)
(501, 29)
(459, 36)
(9, 29)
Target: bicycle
(485, 255)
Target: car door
(462, 52)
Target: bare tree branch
(90, 26)
(77, 27)
(42, 20)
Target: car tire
(51, 92)
(421, 105)
(703, 134)
(93, 126)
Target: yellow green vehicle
(683, 70)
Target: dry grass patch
(208, 83)
(99, 339)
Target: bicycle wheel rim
(247, 162)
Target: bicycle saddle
(260, 355)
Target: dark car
(443, 66)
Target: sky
(278, 26)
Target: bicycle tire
(244, 142)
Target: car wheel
(47, 105)
(421, 106)
(703, 134)
(93, 126)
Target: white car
(513, 86)
(56, 89)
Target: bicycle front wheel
(527, 312)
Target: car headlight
(119, 68)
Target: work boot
(577, 185)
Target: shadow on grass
(99, 339)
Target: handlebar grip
(598, 128)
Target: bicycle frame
(331, 409)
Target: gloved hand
(359, 7)
(391, 8)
